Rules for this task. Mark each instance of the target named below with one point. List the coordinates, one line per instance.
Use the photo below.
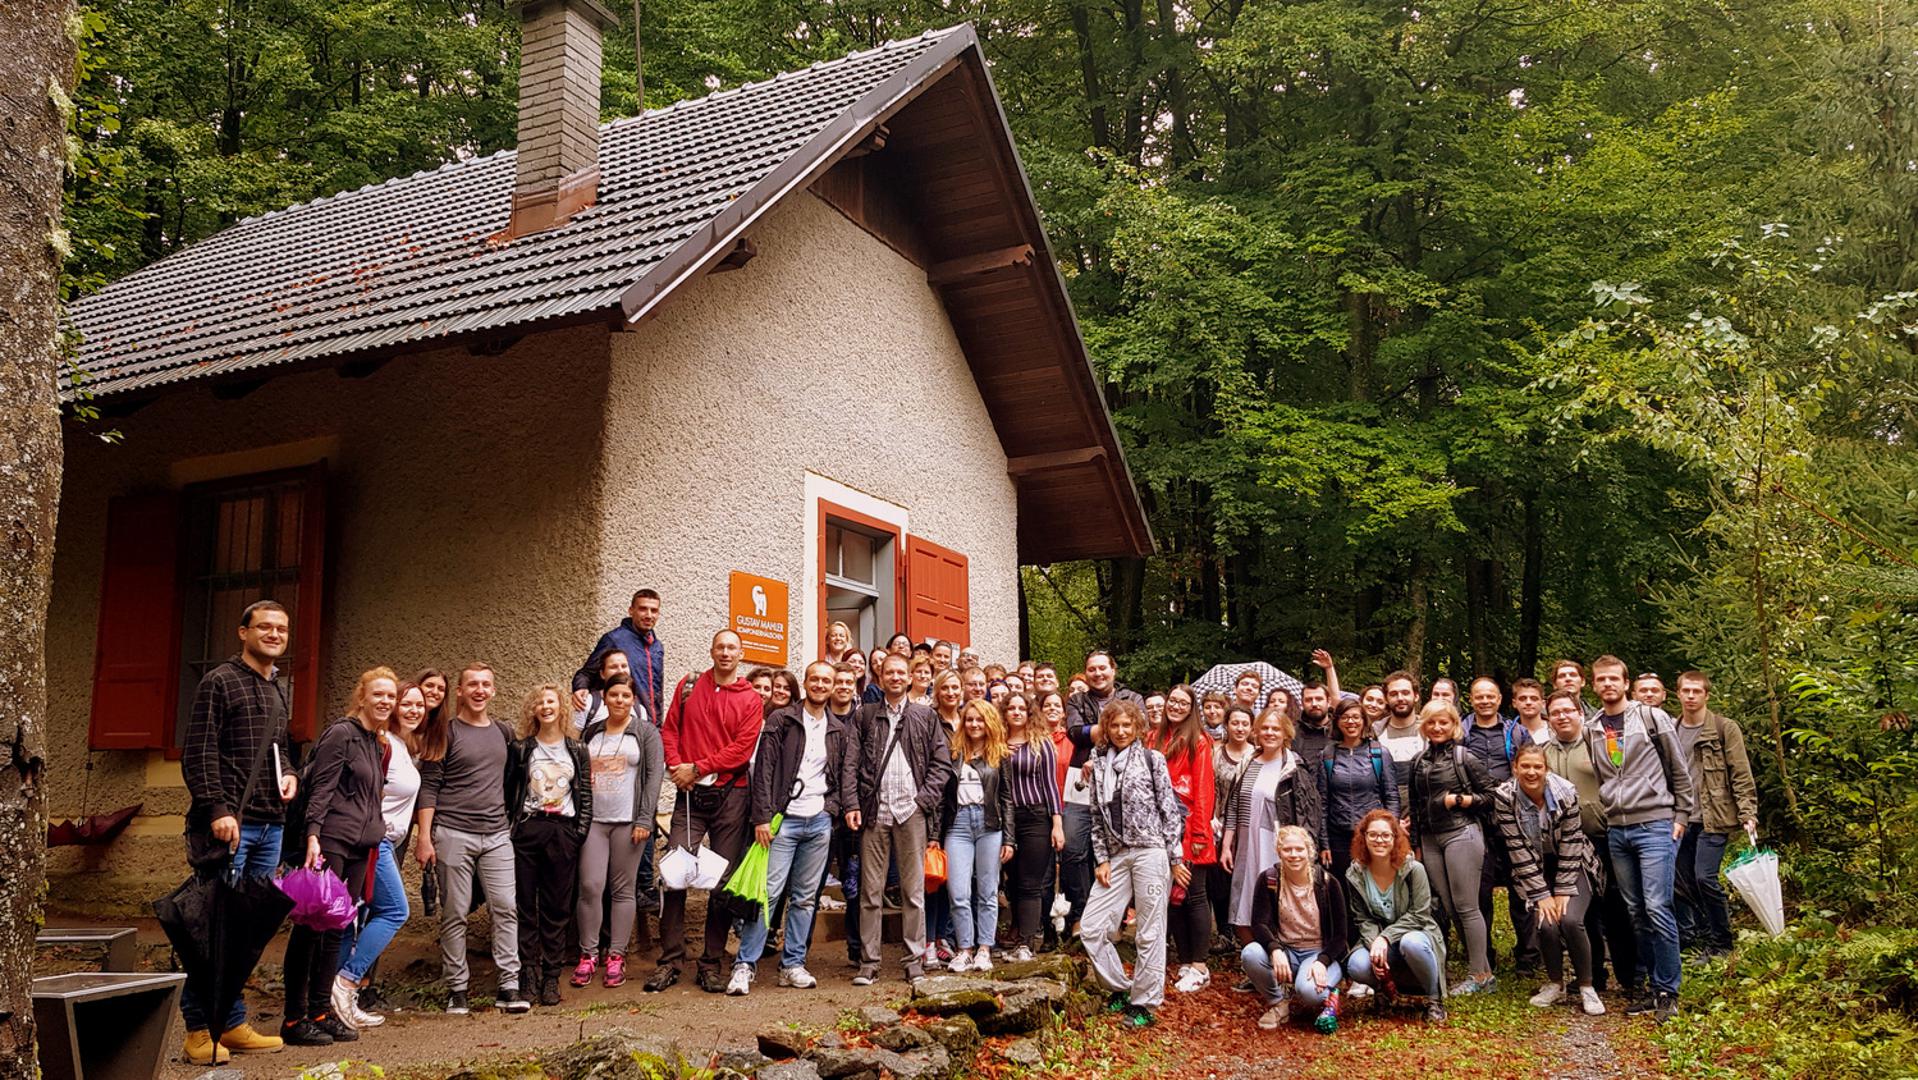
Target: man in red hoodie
(709, 735)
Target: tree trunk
(1531, 602)
(1089, 77)
(1418, 596)
(1025, 618)
(38, 73)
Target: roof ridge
(605, 125)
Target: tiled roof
(409, 260)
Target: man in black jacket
(796, 774)
(892, 780)
(1082, 725)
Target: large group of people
(1336, 842)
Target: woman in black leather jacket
(1451, 796)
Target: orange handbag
(935, 868)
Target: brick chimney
(559, 61)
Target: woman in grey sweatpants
(628, 765)
(1138, 847)
(1450, 792)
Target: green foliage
(1822, 1000)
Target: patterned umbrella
(1222, 676)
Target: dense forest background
(1455, 336)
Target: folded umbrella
(743, 896)
(219, 928)
(1754, 875)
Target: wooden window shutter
(937, 580)
(136, 651)
(303, 659)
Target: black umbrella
(219, 929)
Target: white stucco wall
(828, 354)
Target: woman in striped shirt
(1037, 826)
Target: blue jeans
(1258, 968)
(1702, 916)
(361, 945)
(1644, 861)
(257, 856)
(972, 877)
(1414, 964)
(795, 866)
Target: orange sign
(759, 617)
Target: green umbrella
(743, 896)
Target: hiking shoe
(662, 977)
(1642, 1004)
(1137, 1016)
(866, 975)
(549, 989)
(584, 972)
(1119, 1001)
(509, 1000)
(741, 983)
(1664, 1006)
(1548, 995)
(456, 1004)
(982, 960)
(1435, 1013)
(710, 980)
(200, 1049)
(245, 1040)
(333, 1026)
(305, 1033)
(1274, 1016)
(615, 971)
(797, 977)
(1588, 1000)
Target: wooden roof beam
(965, 266)
(1027, 464)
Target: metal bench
(104, 1025)
(118, 944)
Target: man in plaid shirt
(240, 705)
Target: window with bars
(242, 545)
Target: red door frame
(827, 509)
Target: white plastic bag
(681, 869)
(1754, 874)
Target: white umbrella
(1754, 874)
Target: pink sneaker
(583, 974)
(615, 971)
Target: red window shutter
(937, 583)
(136, 651)
(303, 652)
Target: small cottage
(790, 353)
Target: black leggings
(313, 956)
(1218, 889)
(1191, 919)
(1032, 871)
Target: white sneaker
(932, 962)
(1193, 978)
(364, 1019)
(1274, 1016)
(1358, 990)
(741, 983)
(961, 962)
(831, 903)
(797, 977)
(1021, 955)
(1588, 1000)
(345, 1001)
(982, 960)
(1548, 995)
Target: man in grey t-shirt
(463, 832)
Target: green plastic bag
(743, 896)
